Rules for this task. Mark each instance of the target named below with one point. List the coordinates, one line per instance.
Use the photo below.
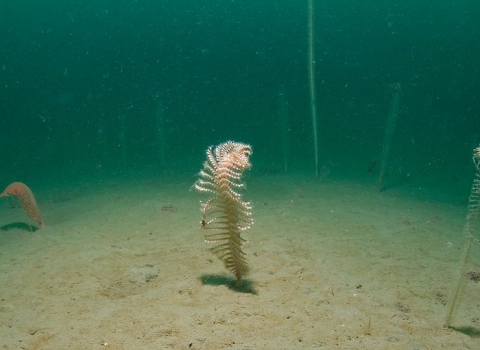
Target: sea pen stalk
(389, 132)
(311, 71)
(471, 224)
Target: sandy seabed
(334, 265)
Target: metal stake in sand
(311, 70)
(389, 132)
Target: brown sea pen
(26, 198)
(225, 215)
(470, 228)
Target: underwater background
(84, 85)
(107, 109)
